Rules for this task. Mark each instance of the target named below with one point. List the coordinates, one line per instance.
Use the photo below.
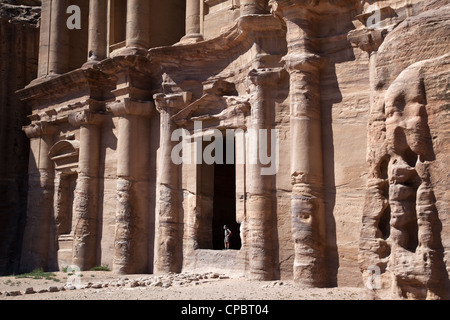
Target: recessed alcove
(216, 184)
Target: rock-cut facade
(347, 99)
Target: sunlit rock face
(315, 131)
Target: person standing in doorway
(227, 237)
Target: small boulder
(53, 289)
(30, 291)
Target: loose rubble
(162, 281)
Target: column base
(130, 51)
(89, 64)
(191, 38)
(40, 80)
(252, 9)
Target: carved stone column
(307, 204)
(252, 7)
(60, 204)
(38, 232)
(44, 41)
(260, 201)
(131, 245)
(97, 32)
(58, 52)
(369, 40)
(85, 206)
(168, 241)
(138, 25)
(373, 250)
(193, 33)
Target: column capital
(367, 39)
(265, 77)
(303, 62)
(86, 117)
(372, 28)
(173, 102)
(129, 106)
(303, 43)
(40, 129)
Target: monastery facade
(104, 188)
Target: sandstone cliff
(18, 49)
(358, 90)
(405, 218)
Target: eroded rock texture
(355, 93)
(405, 219)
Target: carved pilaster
(260, 201)
(373, 250)
(131, 252)
(37, 234)
(168, 239)
(85, 206)
(307, 205)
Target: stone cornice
(62, 112)
(44, 88)
(230, 41)
(115, 65)
(231, 112)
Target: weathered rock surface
(357, 91)
(405, 221)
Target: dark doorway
(216, 187)
(224, 210)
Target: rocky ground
(103, 285)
